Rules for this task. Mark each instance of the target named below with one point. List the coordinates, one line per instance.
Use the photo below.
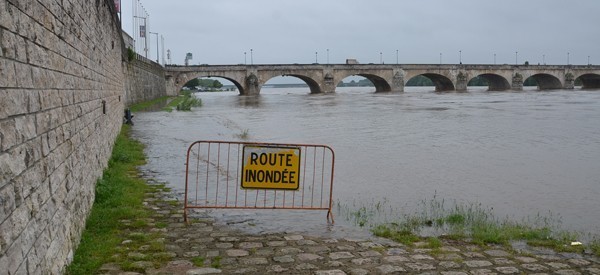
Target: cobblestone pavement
(226, 251)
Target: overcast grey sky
(291, 31)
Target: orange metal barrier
(213, 179)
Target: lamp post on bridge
(516, 58)
(460, 57)
(316, 57)
(440, 58)
(544, 59)
(327, 56)
(245, 62)
(494, 59)
(251, 58)
(589, 61)
(396, 57)
(568, 53)
(380, 57)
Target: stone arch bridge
(322, 78)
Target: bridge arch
(590, 81)
(495, 82)
(381, 85)
(313, 85)
(546, 81)
(441, 82)
(187, 77)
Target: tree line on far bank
(208, 84)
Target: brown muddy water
(521, 154)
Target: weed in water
(188, 102)
(245, 134)
(463, 221)
(396, 233)
(455, 219)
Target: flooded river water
(520, 153)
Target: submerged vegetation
(471, 222)
(244, 134)
(185, 102)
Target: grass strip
(119, 196)
(147, 104)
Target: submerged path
(223, 250)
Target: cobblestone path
(224, 251)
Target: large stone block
(8, 134)
(7, 70)
(12, 102)
(7, 202)
(25, 127)
(27, 183)
(23, 75)
(12, 164)
(9, 21)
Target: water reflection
(249, 101)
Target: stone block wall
(144, 80)
(61, 107)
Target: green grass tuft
(198, 261)
(216, 262)
(595, 247)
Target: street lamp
(156, 45)
(381, 57)
(251, 58)
(316, 57)
(327, 56)
(589, 60)
(568, 53)
(494, 59)
(396, 57)
(544, 59)
(440, 58)
(516, 58)
(245, 62)
(460, 56)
